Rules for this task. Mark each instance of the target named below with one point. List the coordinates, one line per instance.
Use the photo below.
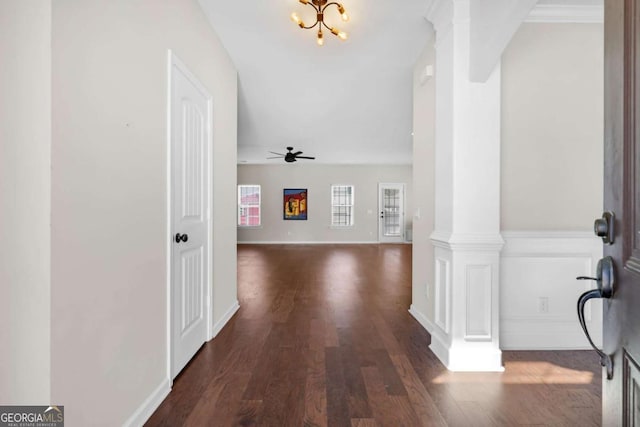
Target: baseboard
(315, 242)
(539, 340)
(438, 343)
(148, 407)
(217, 327)
(421, 318)
(466, 358)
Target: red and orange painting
(295, 203)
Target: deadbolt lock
(604, 227)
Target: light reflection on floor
(520, 372)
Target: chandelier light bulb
(304, 1)
(320, 39)
(343, 13)
(295, 18)
(340, 34)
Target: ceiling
(345, 102)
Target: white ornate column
(465, 333)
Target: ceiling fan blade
(279, 154)
(305, 157)
(278, 157)
(298, 153)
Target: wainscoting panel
(478, 290)
(443, 294)
(539, 290)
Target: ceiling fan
(290, 157)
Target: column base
(465, 333)
(462, 358)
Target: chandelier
(320, 6)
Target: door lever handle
(605, 280)
(181, 237)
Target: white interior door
(391, 213)
(190, 175)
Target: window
(248, 205)
(342, 205)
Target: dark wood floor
(323, 338)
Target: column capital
(443, 14)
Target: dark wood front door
(621, 393)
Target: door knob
(604, 227)
(605, 282)
(181, 237)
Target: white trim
(316, 242)
(148, 407)
(442, 311)
(440, 14)
(438, 340)
(467, 241)
(566, 14)
(169, 218)
(547, 234)
(420, 317)
(225, 318)
(483, 360)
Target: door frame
(404, 205)
(173, 60)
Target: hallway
(324, 337)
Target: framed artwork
(295, 204)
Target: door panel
(191, 298)
(631, 391)
(190, 139)
(621, 333)
(391, 213)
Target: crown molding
(566, 14)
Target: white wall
(552, 127)
(318, 180)
(25, 160)
(552, 144)
(109, 186)
(423, 184)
